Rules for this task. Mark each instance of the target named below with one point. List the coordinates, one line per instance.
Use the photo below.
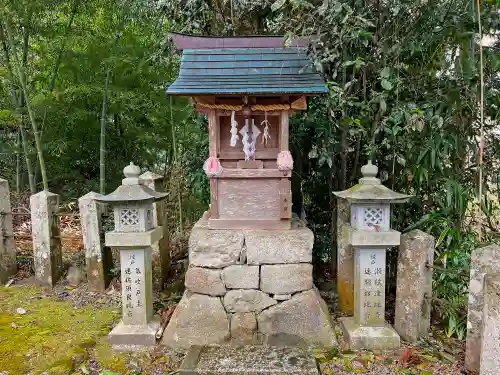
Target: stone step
(248, 360)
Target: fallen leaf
(405, 357)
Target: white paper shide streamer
(234, 130)
(250, 135)
(266, 136)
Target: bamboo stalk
(57, 65)
(102, 147)
(18, 164)
(481, 109)
(22, 80)
(17, 105)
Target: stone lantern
(370, 235)
(134, 234)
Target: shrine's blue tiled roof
(247, 71)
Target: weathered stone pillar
(46, 237)
(485, 260)
(8, 266)
(414, 285)
(97, 257)
(345, 258)
(161, 250)
(134, 235)
(490, 346)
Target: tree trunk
(174, 149)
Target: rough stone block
(304, 317)
(205, 281)
(46, 237)
(243, 328)
(197, 320)
(248, 360)
(485, 260)
(286, 278)
(369, 338)
(241, 277)
(161, 250)
(280, 246)
(97, 256)
(8, 265)
(214, 248)
(414, 283)
(247, 300)
(490, 345)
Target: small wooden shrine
(248, 87)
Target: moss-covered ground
(40, 334)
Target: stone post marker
(161, 250)
(490, 346)
(414, 285)
(370, 235)
(483, 261)
(345, 258)
(97, 256)
(8, 266)
(46, 237)
(134, 236)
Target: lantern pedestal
(133, 337)
(138, 326)
(369, 338)
(367, 329)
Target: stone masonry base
(125, 337)
(250, 287)
(369, 338)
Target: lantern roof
(132, 189)
(249, 65)
(370, 189)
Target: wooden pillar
(284, 137)
(285, 183)
(213, 139)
